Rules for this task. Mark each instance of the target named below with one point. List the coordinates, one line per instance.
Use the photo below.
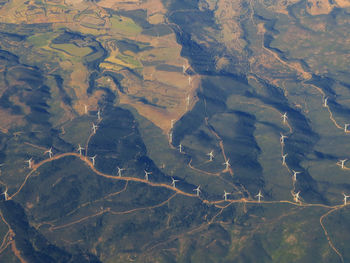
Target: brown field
(169, 89)
(9, 120)
(319, 7)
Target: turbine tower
(197, 190)
(171, 137)
(94, 128)
(282, 138)
(284, 159)
(80, 149)
(211, 155)
(188, 100)
(173, 182)
(284, 117)
(259, 195)
(342, 163)
(30, 163)
(325, 102)
(146, 174)
(296, 197)
(345, 198)
(225, 195)
(49, 152)
(184, 69)
(120, 171)
(5, 195)
(295, 175)
(93, 160)
(227, 164)
(99, 115)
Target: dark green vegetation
(65, 211)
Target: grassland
(124, 25)
(72, 49)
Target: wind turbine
(296, 197)
(171, 137)
(80, 149)
(173, 183)
(49, 151)
(188, 100)
(94, 128)
(146, 174)
(346, 127)
(197, 190)
(99, 115)
(211, 155)
(30, 163)
(342, 163)
(284, 117)
(5, 194)
(180, 148)
(225, 195)
(325, 102)
(282, 138)
(184, 69)
(93, 160)
(345, 198)
(284, 159)
(295, 175)
(120, 171)
(259, 195)
(227, 164)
